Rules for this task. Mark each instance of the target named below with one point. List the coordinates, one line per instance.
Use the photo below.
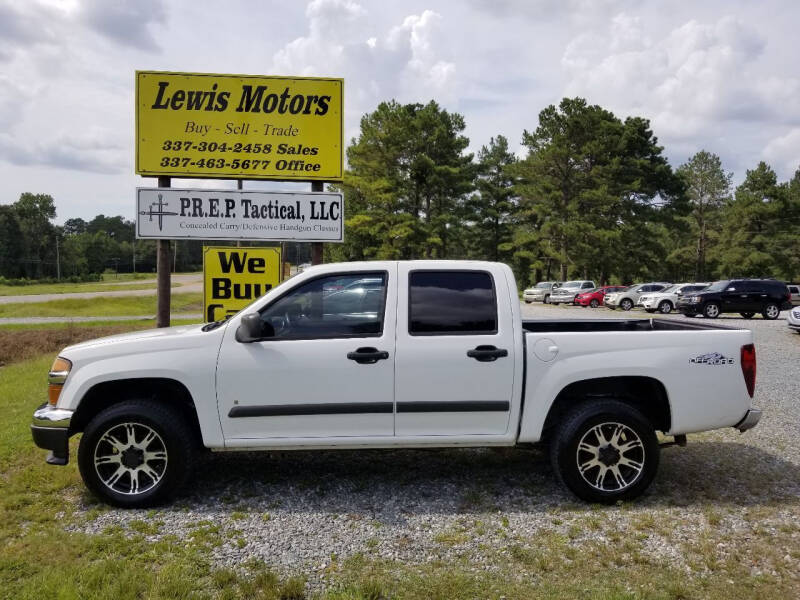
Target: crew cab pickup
(395, 355)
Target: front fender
(195, 370)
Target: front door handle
(368, 355)
(487, 353)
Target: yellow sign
(240, 126)
(234, 277)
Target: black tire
(650, 310)
(546, 299)
(577, 426)
(747, 315)
(594, 303)
(665, 307)
(771, 311)
(174, 434)
(528, 301)
(711, 310)
(626, 304)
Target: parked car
(440, 358)
(794, 291)
(628, 298)
(793, 320)
(744, 296)
(540, 292)
(665, 300)
(595, 297)
(566, 293)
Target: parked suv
(744, 296)
(595, 297)
(665, 300)
(628, 298)
(567, 292)
(794, 290)
(540, 292)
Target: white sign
(173, 213)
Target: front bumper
(50, 430)
(750, 420)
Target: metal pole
(162, 268)
(316, 247)
(239, 183)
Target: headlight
(696, 299)
(56, 378)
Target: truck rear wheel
(136, 453)
(605, 451)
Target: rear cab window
(452, 303)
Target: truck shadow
(391, 484)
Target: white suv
(628, 298)
(793, 320)
(666, 300)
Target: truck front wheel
(136, 453)
(605, 451)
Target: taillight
(749, 367)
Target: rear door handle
(487, 353)
(368, 355)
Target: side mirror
(251, 329)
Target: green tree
(490, 211)
(406, 183)
(34, 212)
(10, 243)
(591, 185)
(760, 230)
(708, 187)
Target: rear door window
(451, 303)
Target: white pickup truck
(388, 355)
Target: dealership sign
(234, 277)
(238, 126)
(174, 213)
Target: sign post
(164, 278)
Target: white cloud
(691, 80)
(783, 152)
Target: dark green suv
(744, 296)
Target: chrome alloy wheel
(130, 458)
(712, 311)
(610, 457)
(772, 311)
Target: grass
(68, 288)
(104, 306)
(110, 283)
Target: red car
(595, 297)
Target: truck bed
(575, 325)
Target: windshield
(717, 286)
(667, 290)
(543, 285)
(572, 284)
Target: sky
(718, 75)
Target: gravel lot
(299, 511)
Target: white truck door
(326, 370)
(454, 364)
